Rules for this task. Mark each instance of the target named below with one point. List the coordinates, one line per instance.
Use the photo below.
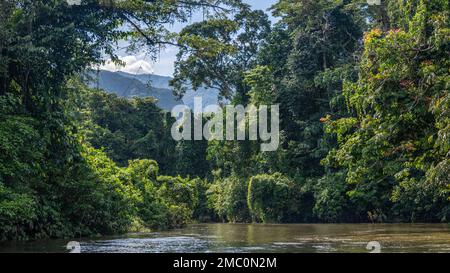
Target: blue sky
(261, 4)
(164, 65)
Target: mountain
(155, 80)
(148, 85)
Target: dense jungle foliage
(364, 95)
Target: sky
(164, 65)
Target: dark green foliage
(331, 202)
(130, 129)
(365, 118)
(163, 202)
(323, 36)
(178, 191)
(392, 149)
(52, 182)
(272, 198)
(203, 212)
(17, 213)
(228, 197)
(191, 155)
(216, 53)
(87, 194)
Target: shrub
(271, 198)
(228, 197)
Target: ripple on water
(147, 245)
(262, 238)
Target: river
(243, 238)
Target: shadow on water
(236, 238)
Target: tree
(273, 199)
(393, 150)
(180, 196)
(216, 53)
(44, 44)
(228, 197)
(324, 36)
(128, 129)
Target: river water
(243, 238)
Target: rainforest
(364, 107)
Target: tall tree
(324, 36)
(46, 175)
(395, 150)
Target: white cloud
(137, 64)
(133, 65)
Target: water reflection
(237, 238)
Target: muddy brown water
(243, 238)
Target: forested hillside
(364, 107)
(147, 85)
